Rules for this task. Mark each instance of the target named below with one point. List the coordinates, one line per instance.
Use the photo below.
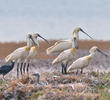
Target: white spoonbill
(84, 61)
(64, 57)
(62, 45)
(33, 51)
(20, 54)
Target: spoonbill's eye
(35, 36)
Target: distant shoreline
(7, 47)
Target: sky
(54, 19)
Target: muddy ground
(57, 86)
(99, 63)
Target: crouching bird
(84, 61)
(5, 69)
(38, 78)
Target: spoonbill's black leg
(24, 68)
(81, 70)
(77, 72)
(28, 68)
(63, 68)
(18, 70)
(21, 68)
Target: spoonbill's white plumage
(84, 61)
(33, 51)
(62, 45)
(64, 57)
(59, 46)
(20, 54)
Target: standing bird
(62, 45)
(64, 58)
(33, 51)
(20, 54)
(5, 69)
(84, 61)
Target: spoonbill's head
(96, 49)
(93, 49)
(77, 30)
(30, 37)
(36, 35)
(76, 36)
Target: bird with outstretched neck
(83, 62)
(62, 45)
(38, 78)
(5, 69)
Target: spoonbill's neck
(76, 35)
(73, 46)
(29, 43)
(36, 46)
(92, 54)
(73, 50)
(74, 43)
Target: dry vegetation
(58, 87)
(87, 86)
(8, 47)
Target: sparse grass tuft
(2, 82)
(36, 95)
(103, 87)
(2, 85)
